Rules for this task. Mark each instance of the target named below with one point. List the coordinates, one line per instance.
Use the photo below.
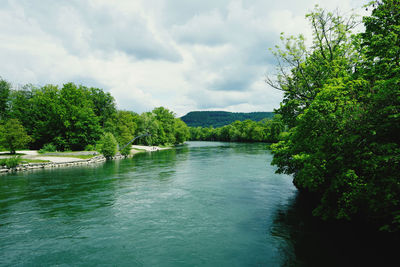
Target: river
(202, 204)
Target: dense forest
(342, 106)
(266, 130)
(221, 118)
(76, 117)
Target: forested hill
(221, 118)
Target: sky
(181, 54)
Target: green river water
(202, 204)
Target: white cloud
(184, 55)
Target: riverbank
(68, 159)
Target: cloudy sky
(181, 54)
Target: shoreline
(60, 161)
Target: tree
(21, 106)
(123, 141)
(47, 117)
(63, 117)
(103, 104)
(13, 135)
(80, 123)
(5, 88)
(344, 148)
(303, 71)
(166, 120)
(108, 145)
(148, 124)
(181, 131)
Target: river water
(202, 204)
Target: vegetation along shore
(32, 159)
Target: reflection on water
(313, 242)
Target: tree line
(266, 130)
(342, 107)
(221, 118)
(75, 117)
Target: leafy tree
(148, 124)
(181, 131)
(108, 145)
(122, 123)
(344, 148)
(164, 128)
(124, 128)
(166, 119)
(124, 140)
(46, 116)
(5, 88)
(63, 117)
(80, 124)
(21, 107)
(103, 104)
(13, 135)
(303, 71)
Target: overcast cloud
(184, 55)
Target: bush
(48, 148)
(10, 162)
(90, 148)
(108, 145)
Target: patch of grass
(34, 161)
(72, 156)
(9, 154)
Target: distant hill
(221, 118)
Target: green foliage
(74, 117)
(181, 131)
(242, 131)
(103, 104)
(5, 88)
(90, 148)
(13, 135)
(343, 145)
(221, 118)
(123, 125)
(65, 117)
(21, 106)
(10, 162)
(302, 71)
(164, 128)
(48, 148)
(108, 145)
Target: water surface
(204, 204)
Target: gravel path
(56, 159)
(63, 157)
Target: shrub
(10, 162)
(48, 148)
(90, 148)
(108, 145)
